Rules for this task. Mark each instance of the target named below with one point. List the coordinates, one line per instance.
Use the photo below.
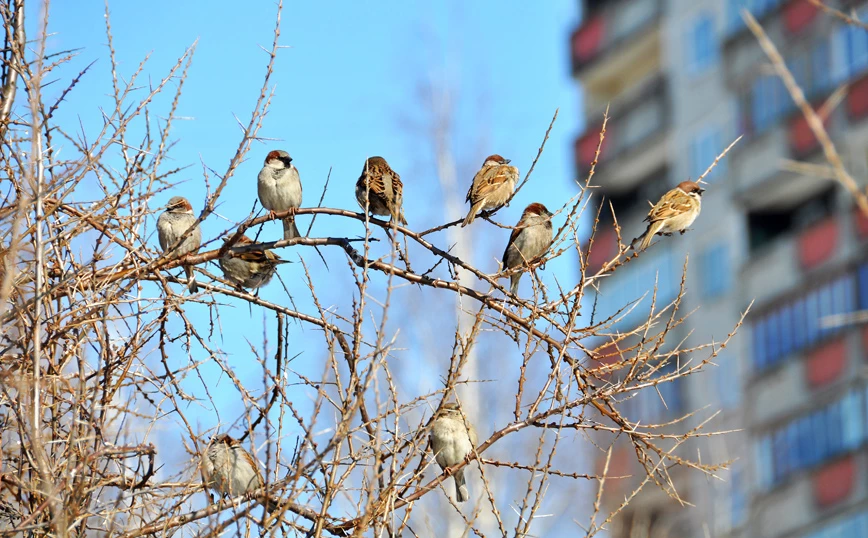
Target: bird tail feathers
(290, 231)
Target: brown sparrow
(492, 186)
(385, 187)
(280, 188)
(230, 470)
(171, 225)
(675, 212)
(530, 239)
(250, 269)
(452, 440)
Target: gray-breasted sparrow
(250, 269)
(492, 186)
(385, 187)
(171, 225)
(452, 442)
(279, 188)
(675, 212)
(230, 470)
(530, 239)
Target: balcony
(636, 143)
(617, 43)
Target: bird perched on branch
(530, 239)
(171, 226)
(252, 268)
(675, 212)
(452, 440)
(492, 186)
(230, 470)
(279, 188)
(386, 190)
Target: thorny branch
(102, 351)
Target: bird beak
(507, 161)
(701, 191)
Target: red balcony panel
(827, 363)
(798, 14)
(857, 98)
(865, 342)
(604, 249)
(834, 482)
(608, 354)
(861, 223)
(619, 465)
(818, 243)
(802, 139)
(588, 39)
(586, 148)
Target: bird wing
(512, 237)
(672, 204)
(489, 179)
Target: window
(804, 321)
(801, 70)
(704, 148)
(814, 438)
(763, 460)
(716, 271)
(854, 421)
(730, 506)
(727, 381)
(734, 22)
(768, 101)
(849, 52)
(863, 287)
(651, 405)
(820, 72)
(702, 44)
(757, 8)
(634, 282)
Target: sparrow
(530, 239)
(675, 212)
(230, 470)
(171, 225)
(279, 188)
(492, 186)
(386, 189)
(452, 440)
(250, 269)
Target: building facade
(683, 78)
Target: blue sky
(350, 83)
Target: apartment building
(683, 78)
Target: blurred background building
(684, 78)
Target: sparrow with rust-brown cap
(230, 470)
(452, 440)
(380, 191)
(249, 269)
(530, 239)
(279, 187)
(171, 225)
(674, 212)
(492, 186)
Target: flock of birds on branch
(228, 468)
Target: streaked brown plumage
(674, 212)
(250, 269)
(492, 186)
(529, 240)
(385, 187)
(452, 439)
(231, 471)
